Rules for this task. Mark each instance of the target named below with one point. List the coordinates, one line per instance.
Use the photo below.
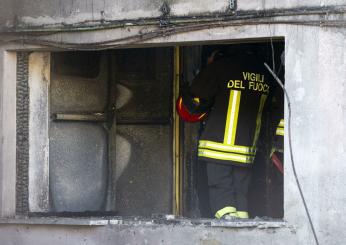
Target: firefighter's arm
(191, 108)
(195, 101)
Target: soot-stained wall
(21, 13)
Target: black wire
(103, 45)
(92, 24)
(291, 150)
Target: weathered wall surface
(169, 235)
(39, 12)
(265, 4)
(51, 12)
(39, 77)
(7, 131)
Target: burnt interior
(111, 135)
(111, 132)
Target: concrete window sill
(140, 221)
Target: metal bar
(143, 122)
(111, 136)
(177, 170)
(95, 117)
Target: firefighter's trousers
(228, 186)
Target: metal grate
(22, 151)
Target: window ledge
(55, 221)
(140, 221)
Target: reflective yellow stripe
(202, 115)
(259, 118)
(228, 148)
(232, 117)
(226, 210)
(225, 156)
(282, 123)
(280, 131)
(242, 214)
(196, 99)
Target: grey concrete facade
(156, 234)
(315, 80)
(25, 12)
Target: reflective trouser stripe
(227, 148)
(232, 117)
(242, 214)
(282, 123)
(225, 210)
(280, 131)
(259, 118)
(225, 156)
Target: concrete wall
(151, 235)
(265, 4)
(315, 80)
(38, 12)
(51, 12)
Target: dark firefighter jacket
(237, 87)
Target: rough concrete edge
(55, 221)
(251, 223)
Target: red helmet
(186, 115)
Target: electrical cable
(102, 24)
(167, 31)
(291, 150)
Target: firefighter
(229, 94)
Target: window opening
(111, 132)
